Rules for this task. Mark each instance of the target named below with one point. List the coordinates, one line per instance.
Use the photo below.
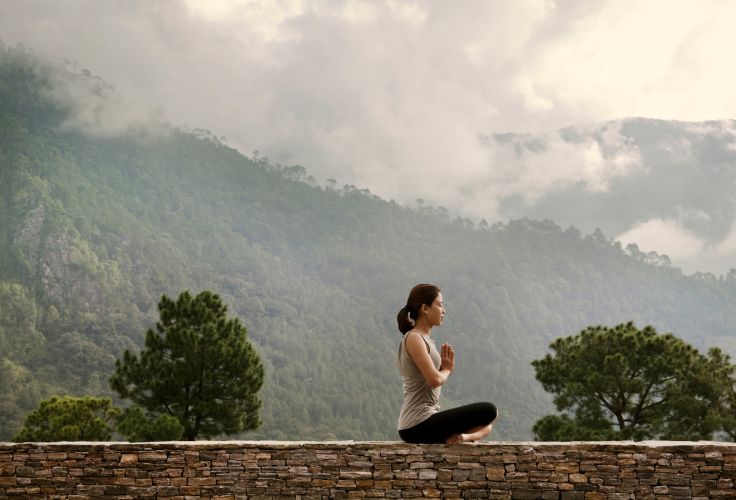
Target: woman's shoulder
(414, 334)
(418, 337)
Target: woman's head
(420, 302)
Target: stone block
(525, 494)
(151, 456)
(572, 468)
(425, 474)
(586, 487)
(406, 474)
(469, 465)
(721, 494)
(594, 495)
(469, 485)
(361, 474)
(495, 474)
(421, 465)
(322, 483)
(572, 495)
(460, 475)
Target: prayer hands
(448, 358)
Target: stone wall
(648, 470)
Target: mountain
(96, 222)
(666, 185)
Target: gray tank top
(420, 399)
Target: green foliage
(198, 367)
(135, 425)
(20, 346)
(564, 428)
(626, 383)
(69, 418)
(719, 377)
(18, 319)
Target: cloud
(624, 58)
(664, 236)
(296, 79)
(527, 167)
(96, 109)
(721, 130)
(670, 236)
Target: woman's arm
(417, 349)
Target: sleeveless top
(421, 401)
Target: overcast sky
(394, 96)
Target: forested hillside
(95, 227)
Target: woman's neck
(423, 326)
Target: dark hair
(419, 295)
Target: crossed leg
(462, 424)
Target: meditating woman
(424, 370)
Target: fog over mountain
(665, 185)
(408, 99)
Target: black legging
(443, 424)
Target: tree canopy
(197, 366)
(69, 418)
(136, 425)
(626, 383)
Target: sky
(398, 96)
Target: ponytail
(406, 322)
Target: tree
(197, 366)
(135, 425)
(626, 383)
(721, 375)
(69, 418)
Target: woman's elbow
(435, 382)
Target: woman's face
(436, 312)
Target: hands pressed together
(447, 356)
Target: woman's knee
(489, 410)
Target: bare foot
(455, 439)
(474, 435)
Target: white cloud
(97, 109)
(726, 247)
(530, 167)
(679, 150)
(625, 58)
(664, 236)
(724, 130)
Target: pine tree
(197, 366)
(69, 418)
(626, 383)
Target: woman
(424, 370)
